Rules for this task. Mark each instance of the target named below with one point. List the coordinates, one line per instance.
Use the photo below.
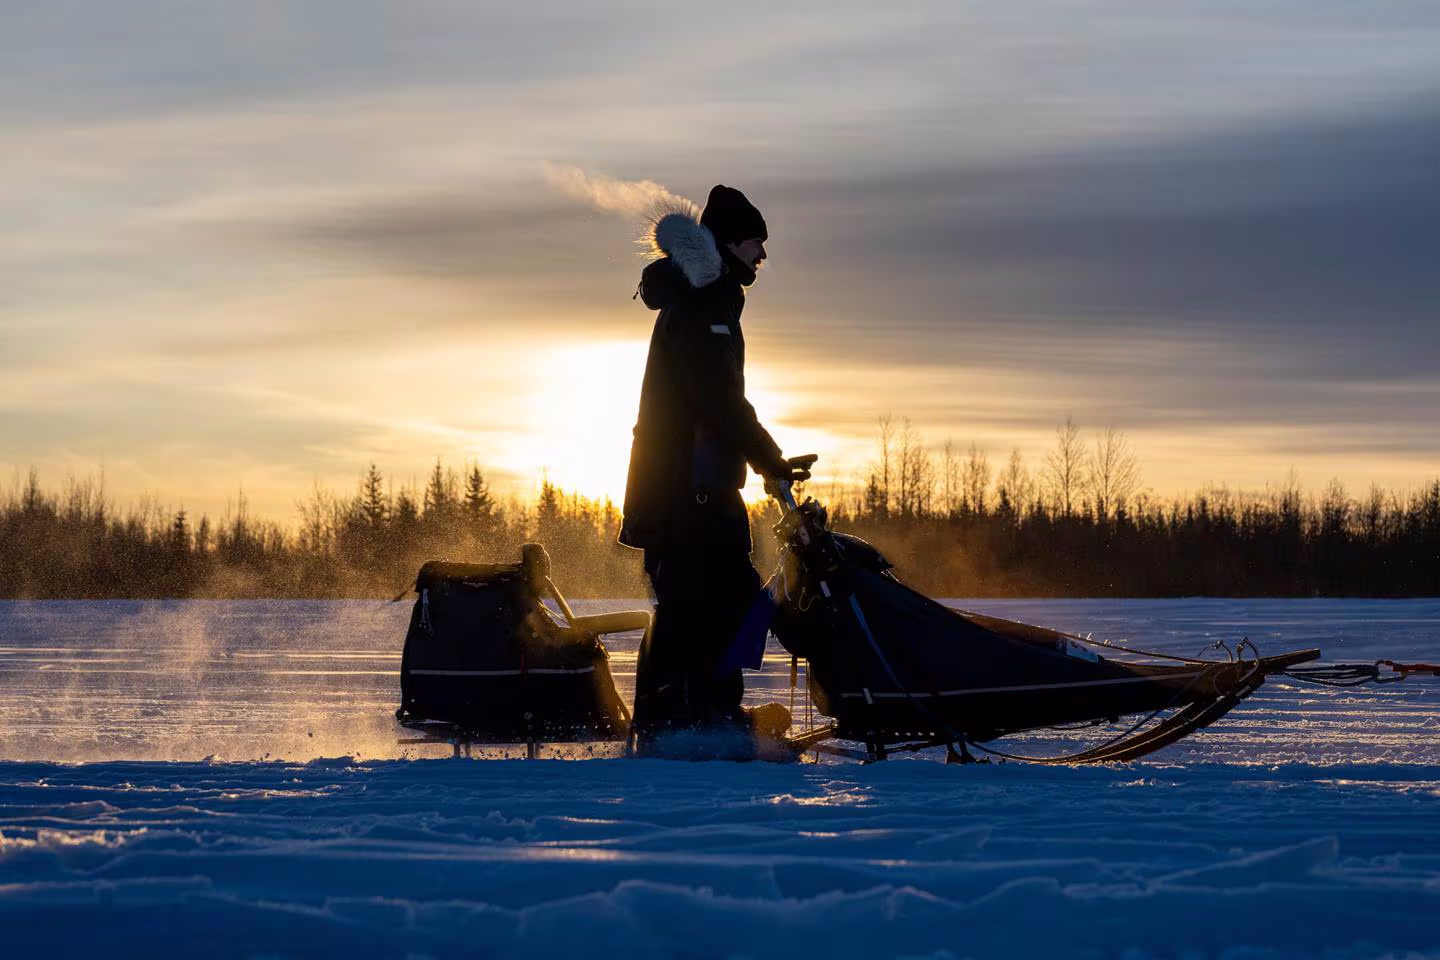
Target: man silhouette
(694, 434)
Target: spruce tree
(373, 505)
(439, 497)
(479, 512)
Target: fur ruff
(679, 235)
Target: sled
(487, 662)
(898, 671)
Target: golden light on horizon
(580, 409)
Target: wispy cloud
(984, 217)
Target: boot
(769, 721)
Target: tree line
(1082, 524)
(370, 543)
(1079, 524)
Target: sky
(258, 246)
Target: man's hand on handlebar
(796, 470)
(800, 467)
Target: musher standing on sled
(694, 434)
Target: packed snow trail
(1305, 824)
(634, 858)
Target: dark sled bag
(485, 657)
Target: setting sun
(580, 409)
(581, 412)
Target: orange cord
(1405, 669)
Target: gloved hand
(795, 470)
(800, 467)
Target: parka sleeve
(709, 367)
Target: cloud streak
(1190, 220)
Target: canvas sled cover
(484, 655)
(890, 664)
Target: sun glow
(583, 408)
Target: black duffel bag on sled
(487, 662)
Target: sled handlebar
(780, 490)
(796, 469)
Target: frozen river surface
(164, 792)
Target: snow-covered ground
(1307, 823)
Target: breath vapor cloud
(631, 198)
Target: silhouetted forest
(1079, 525)
(369, 544)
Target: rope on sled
(1133, 651)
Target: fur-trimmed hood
(688, 256)
(689, 244)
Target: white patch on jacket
(680, 236)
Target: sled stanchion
(809, 717)
(962, 756)
(794, 678)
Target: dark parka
(695, 430)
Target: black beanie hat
(731, 218)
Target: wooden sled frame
(1130, 745)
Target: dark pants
(704, 585)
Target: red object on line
(1407, 668)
